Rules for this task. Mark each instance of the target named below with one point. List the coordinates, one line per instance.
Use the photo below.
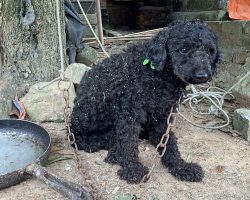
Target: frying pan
(24, 148)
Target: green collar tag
(147, 61)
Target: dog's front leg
(125, 150)
(177, 166)
(172, 158)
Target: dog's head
(190, 49)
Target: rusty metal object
(88, 182)
(162, 146)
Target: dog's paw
(133, 173)
(188, 172)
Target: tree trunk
(29, 50)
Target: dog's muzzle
(202, 76)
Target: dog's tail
(180, 169)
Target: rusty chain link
(71, 141)
(164, 140)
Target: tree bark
(29, 49)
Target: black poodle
(129, 95)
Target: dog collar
(148, 63)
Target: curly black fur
(120, 99)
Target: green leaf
(55, 159)
(146, 61)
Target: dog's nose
(201, 75)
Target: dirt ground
(224, 158)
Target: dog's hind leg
(91, 143)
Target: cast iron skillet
(24, 147)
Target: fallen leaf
(55, 159)
(220, 169)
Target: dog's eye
(183, 50)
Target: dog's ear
(157, 52)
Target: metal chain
(164, 140)
(71, 141)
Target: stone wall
(234, 40)
(203, 5)
(205, 10)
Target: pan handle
(66, 188)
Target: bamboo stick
(99, 21)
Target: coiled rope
(216, 96)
